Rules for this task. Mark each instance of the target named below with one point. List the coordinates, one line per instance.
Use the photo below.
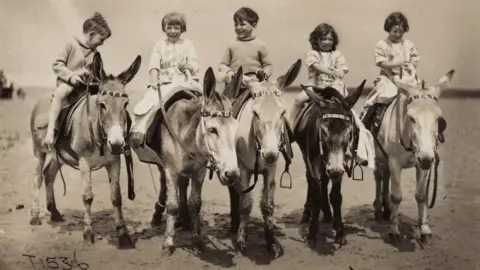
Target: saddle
(153, 130)
(77, 97)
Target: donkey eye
(412, 120)
(213, 131)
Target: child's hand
(182, 67)
(337, 74)
(75, 80)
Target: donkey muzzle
(229, 177)
(270, 157)
(335, 173)
(425, 162)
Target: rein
(101, 143)
(282, 147)
(212, 166)
(354, 138)
(410, 148)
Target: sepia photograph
(239, 134)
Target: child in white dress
(173, 66)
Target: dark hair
(98, 24)
(246, 14)
(174, 18)
(396, 18)
(321, 31)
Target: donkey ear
(97, 67)
(126, 76)
(285, 80)
(353, 97)
(209, 83)
(443, 82)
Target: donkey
(408, 137)
(95, 121)
(197, 131)
(327, 140)
(260, 139)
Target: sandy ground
(455, 220)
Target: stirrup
(353, 172)
(290, 180)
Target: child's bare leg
(301, 98)
(61, 92)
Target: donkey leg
(234, 210)
(267, 207)
(37, 184)
(327, 212)
(50, 173)
(386, 202)
(87, 197)
(183, 219)
(172, 210)
(336, 199)
(245, 208)
(420, 197)
(382, 191)
(396, 199)
(307, 207)
(194, 207)
(162, 198)
(113, 170)
(316, 203)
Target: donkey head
(219, 128)
(112, 102)
(424, 118)
(335, 126)
(269, 110)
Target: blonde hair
(174, 18)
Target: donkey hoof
(275, 249)
(35, 221)
(426, 239)
(305, 218)
(156, 220)
(327, 218)
(125, 241)
(198, 248)
(386, 214)
(312, 242)
(241, 247)
(168, 250)
(378, 214)
(341, 240)
(395, 238)
(56, 217)
(88, 237)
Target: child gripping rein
(72, 66)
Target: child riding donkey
(72, 67)
(173, 67)
(398, 59)
(327, 67)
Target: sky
(32, 31)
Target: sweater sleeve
(60, 63)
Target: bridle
(281, 146)
(103, 135)
(411, 148)
(211, 163)
(353, 140)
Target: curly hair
(174, 18)
(320, 32)
(246, 14)
(396, 18)
(98, 24)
